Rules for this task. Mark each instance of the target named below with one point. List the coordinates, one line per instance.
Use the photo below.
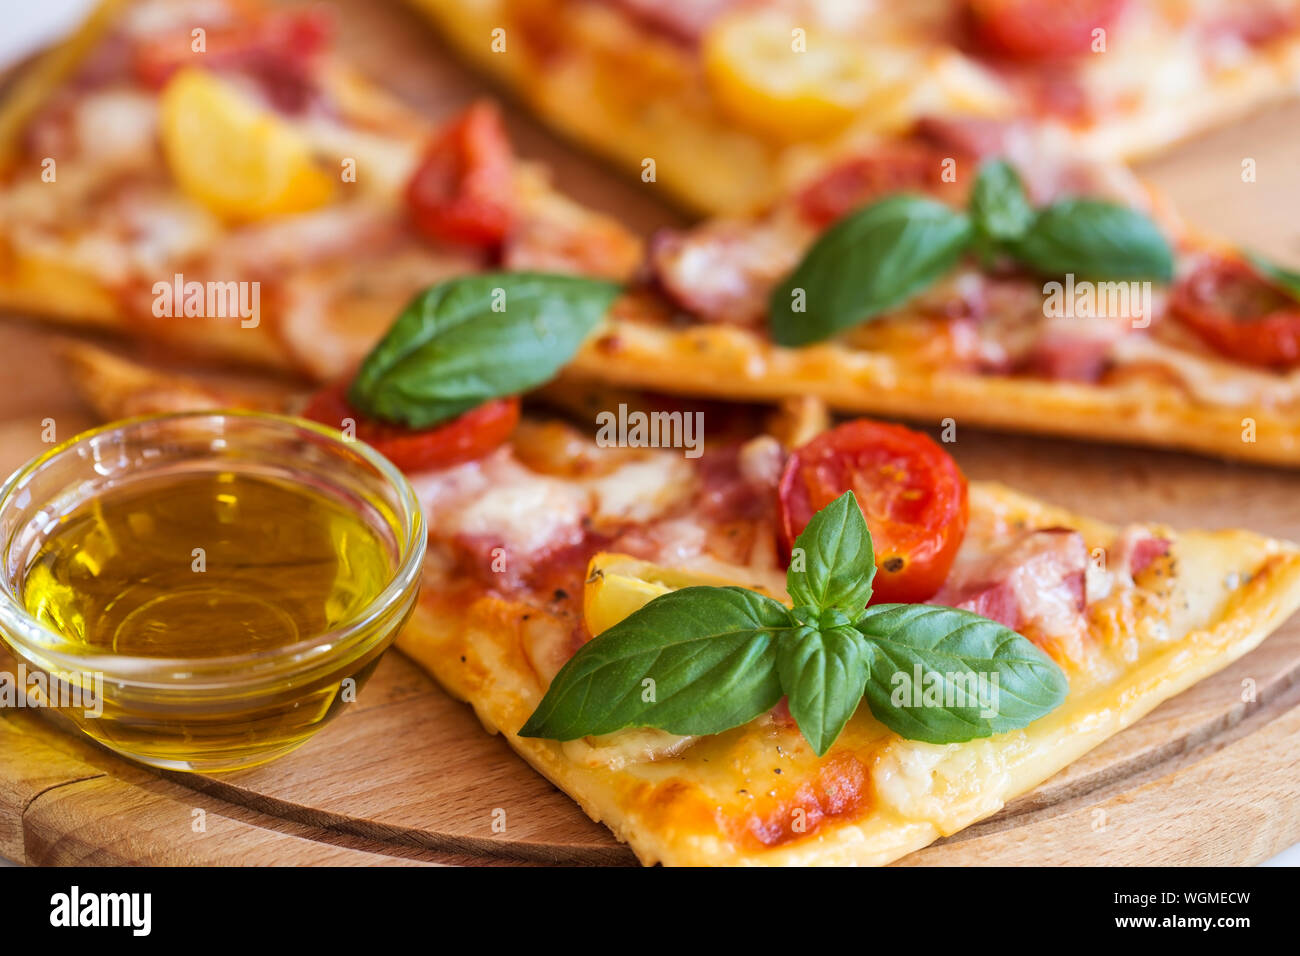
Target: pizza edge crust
(737, 364)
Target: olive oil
(205, 565)
(189, 567)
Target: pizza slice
(964, 273)
(674, 635)
(213, 177)
(737, 100)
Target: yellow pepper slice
(618, 584)
(789, 82)
(237, 158)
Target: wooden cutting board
(406, 775)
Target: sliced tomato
(275, 50)
(907, 167)
(1039, 29)
(462, 189)
(910, 490)
(465, 438)
(1239, 313)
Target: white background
(29, 26)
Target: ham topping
(1033, 584)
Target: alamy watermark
(1083, 299)
(208, 300)
(946, 689)
(638, 429)
(64, 691)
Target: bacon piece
(1136, 549)
(1034, 583)
(724, 271)
(1145, 553)
(1069, 358)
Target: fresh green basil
(832, 564)
(877, 258)
(696, 661)
(822, 673)
(867, 263)
(1286, 280)
(474, 338)
(944, 675)
(703, 660)
(998, 206)
(1092, 239)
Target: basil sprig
(470, 339)
(998, 203)
(865, 264)
(878, 257)
(702, 660)
(1094, 240)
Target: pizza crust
(738, 364)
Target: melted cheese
(1210, 380)
(643, 489)
(498, 499)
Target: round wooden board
(406, 775)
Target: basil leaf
(868, 262)
(696, 661)
(832, 564)
(1286, 280)
(999, 207)
(1095, 240)
(976, 677)
(822, 674)
(451, 350)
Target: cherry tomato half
(461, 191)
(465, 438)
(905, 167)
(910, 490)
(1237, 312)
(1039, 29)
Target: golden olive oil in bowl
(205, 564)
(227, 581)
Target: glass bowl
(208, 713)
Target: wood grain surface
(406, 775)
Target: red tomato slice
(861, 180)
(1039, 29)
(462, 189)
(1238, 313)
(470, 436)
(274, 49)
(910, 490)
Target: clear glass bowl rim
(33, 636)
